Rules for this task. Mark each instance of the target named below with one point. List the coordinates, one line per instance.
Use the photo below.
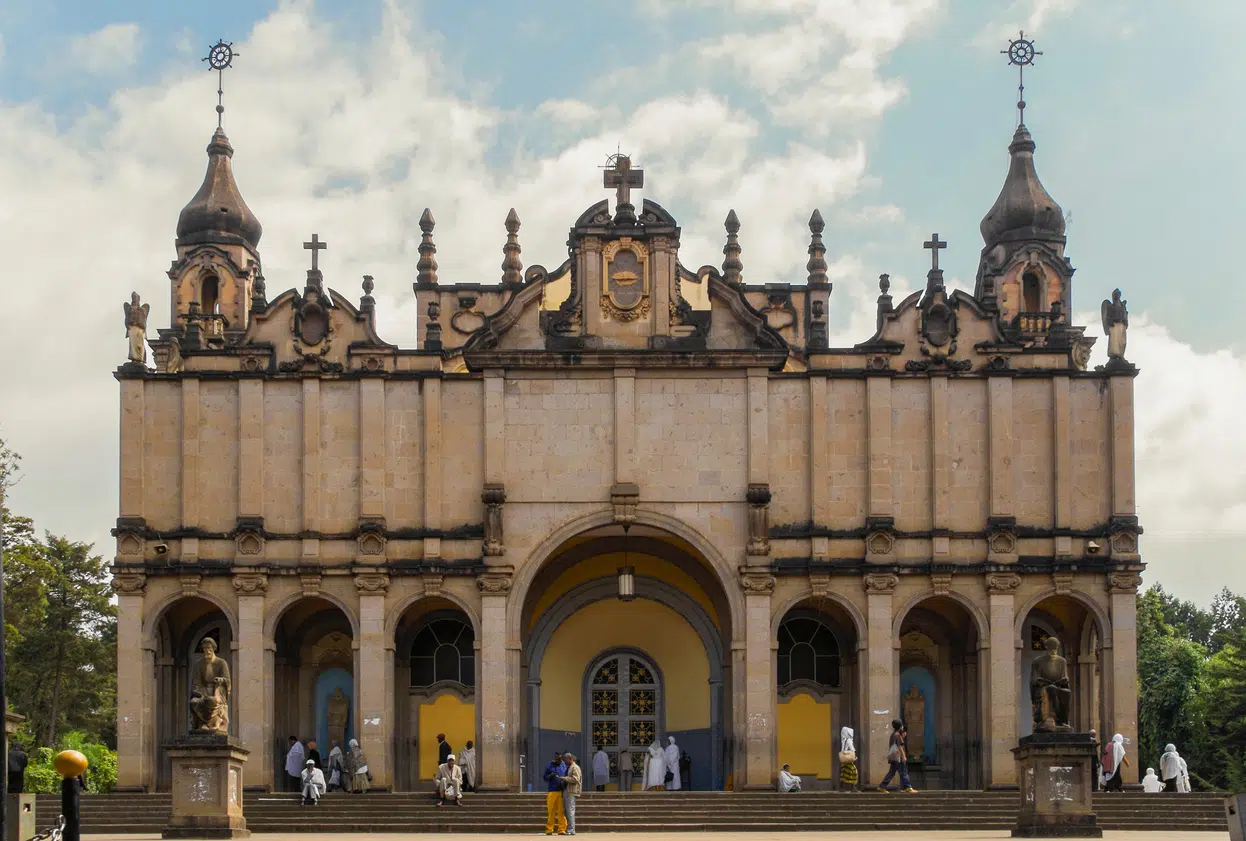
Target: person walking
(17, 768)
(849, 775)
(467, 761)
(1096, 764)
(1114, 758)
(360, 776)
(295, 757)
(555, 816)
(443, 749)
(313, 754)
(337, 761)
(897, 758)
(1173, 771)
(574, 782)
(601, 769)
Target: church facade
(619, 500)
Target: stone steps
(684, 812)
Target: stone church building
(619, 500)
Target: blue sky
(892, 116)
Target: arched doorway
(940, 698)
(314, 692)
(435, 688)
(179, 633)
(672, 626)
(817, 686)
(1074, 622)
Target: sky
(893, 117)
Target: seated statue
(1049, 689)
(209, 693)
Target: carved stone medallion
(625, 280)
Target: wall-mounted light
(627, 584)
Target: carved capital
(1063, 582)
(758, 496)
(129, 583)
(493, 583)
(190, 583)
(432, 583)
(625, 496)
(820, 583)
(757, 583)
(494, 496)
(941, 583)
(1124, 582)
(251, 584)
(1002, 582)
(372, 583)
(310, 582)
(880, 583)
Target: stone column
(1003, 467)
(247, 697)
(940, 468)
(882, 691)
(375, 678)
(311, 468)
(1123, 587)
(1000, 710)
(495, 426)
(758, 426)
(1122, 445)
(190, 466)
(135, 674)
(133, 422)
(1062, 456)
(250, 453)
(432, 466)
(624, 425)
(499, 730)
(819, 464)
(372, 450)
(878, 444)
(759, 690)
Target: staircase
(687, 812)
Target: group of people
(455, 775)
(564, 782)
(348, 770)
(850, 774)
(1174, 774)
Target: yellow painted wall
(450, 715)
(661, 633)
(606, 566)
(805, 728)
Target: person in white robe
(1173, 770)
(655, 769)
(672, 764)
(846, 739)
(449, 781)
(467, 761)
(336, 762)
(1114, 764)
(788, 782)
(601, 769)
(294, 763)
(1151, 783)
(313, 784)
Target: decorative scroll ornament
(883, 583)
(1063, 582)
(1002, 582)
(494, 497)
(129, 583)
(625, 280)
(432, 583)
(310, 582)
(757, 583)
(372, 583)
(190, 584)
(1124, 582)
(941, 583)
(820, 584)
(251, 584)
(625, 496)
(758, 496)
(493, 584)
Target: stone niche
(1055, 769)
(207, 787)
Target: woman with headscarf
(1173, 770)
(1114, 763)
(1151, 783)
(849, 776)
(337, 761)
(358, 762)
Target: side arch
(1095, 609)
(975, 612)
(273, 614)
(395, 614)
(151, 626)
(807, 595)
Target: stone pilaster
(495, 427)
(311, 467)
(251, 453)
(498, 728)
(624, 425)
(1121, 441)
(133, 423)
(759, 696)
(758, 426)
(1000, 710)
(882, 689)
(190, 466)
(940, 466)
(372, 450)
(878, 443)
(1062, 456)
(819, 463)
(1123, 593)
(432, 465)
(135, 666)
(248, 685)
(375, 681)
(1003, 465)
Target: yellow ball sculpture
(69, 763)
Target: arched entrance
(1076, 623)
(179, 633)
(667, 635)
(437, 671)
(940, 697)
(818, 688)
(314, 691)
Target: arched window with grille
(444, 650)
(808, 651)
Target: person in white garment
(467, 761)
(788, 782)
(1173, 771)
(313, 784)
(449, 780)
(655, 769)
(294, 764)
(673, 782)
(1151, 783)
(601, 769)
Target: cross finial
(315, 246)
(935, 245)
(620, 175)
(1021, 54)
(220, 58)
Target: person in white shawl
(467, 761)
(336, 762)
(655, 769)
(1173, 771)
(601, 769)
(1114, 764)
(449, 780)
(672, 764)
(313, 784)
(1151, 783)
(788, 782)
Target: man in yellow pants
(555, 817)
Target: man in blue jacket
(555, 817)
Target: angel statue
(1115, 323)
(136, 328)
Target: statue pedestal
(207, 787)
(1055, 769)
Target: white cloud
(1023, 15)
(115, 46)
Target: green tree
(1171, 677)
(1224, 709)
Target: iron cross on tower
(220, 58)
(315, 246)
(620, 175)
(935, 245)
(1021, 54)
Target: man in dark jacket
(17, 769)
(443, 749)
(555, 815)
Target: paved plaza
(729, 836)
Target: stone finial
(512, 268)
(884, 299)
(259, 294)
(817, 251)
(432, 331)
(367, 303)
(732, 266)
(426, 268)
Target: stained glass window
(444, 650)
(623, 710)
(809, 651)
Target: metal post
(70, 800)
